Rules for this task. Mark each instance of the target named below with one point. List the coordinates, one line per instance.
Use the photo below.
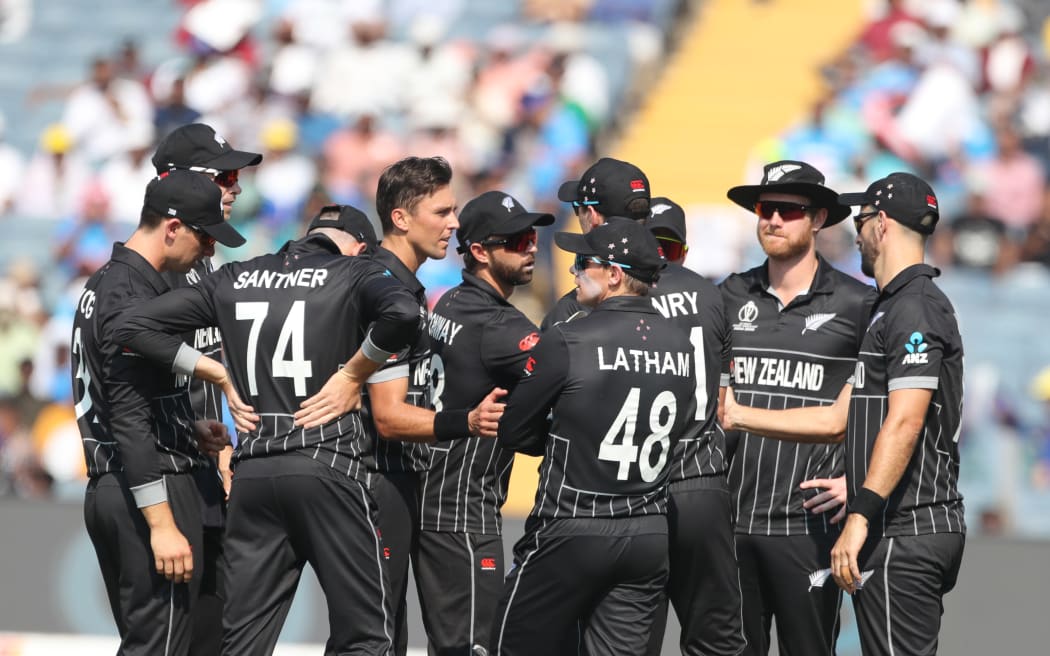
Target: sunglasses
(202, 236)
(862, 218)
(787, 211)
(519, 242)
(582, 261)
(227, 178)
(576, 205)
(672, 248)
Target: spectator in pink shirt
(1015, 183)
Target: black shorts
(573, 590)
(460, 581)
(288, 510)
(900, 605)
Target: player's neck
(505, 290)
(148, 246)
(894, 260)
(401, 248)
(789, 277)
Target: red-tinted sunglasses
(520, 242)
(672, 248)
(227, 178)
(787, 211)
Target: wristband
(450, 424)
(867, 504)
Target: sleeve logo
(530, 366)
(916, 348)
(529, 341)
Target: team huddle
(740, 452)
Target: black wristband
(450, 424)
(867, 504)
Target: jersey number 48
(662, 414)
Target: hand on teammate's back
(244, 417)
(833, 495)
(484, 419)
(340, 395)
(728, 410)
(212, 436)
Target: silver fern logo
(815, 321)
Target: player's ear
(171, 228)
(480, 253)
(400, 218)
(819, 218)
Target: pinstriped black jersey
(413, 362)
(205, 399)
(134, 416)
(479, 341)
(695, 304)
(566, 309)
(912, 342)
(289, 321)
(797, 356)
(620, 388)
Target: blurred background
(520, 95)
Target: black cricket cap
(665, 214)
(904, 197)
(792, 177)
(199, 148)
(611, 186)
(495, 213)
(194, 200)
(619, 241)
(350, 220)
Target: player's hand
(729, 410)
(340, 395)
(244, 417)
(844, 554)
(832, 496)
(225, 470)
(172, 555)
(212, 436)
(484, 419)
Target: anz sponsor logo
(916, 350)
(747, 315)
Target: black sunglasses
(519, 242)
(862, 218)
(787, 211)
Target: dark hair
(470, 263)
(150, 219)
(638, 209)
(406, 182)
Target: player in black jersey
(196, 147)
(603, 400)
(610, 187)
(479, 342)
(139, 431)
(796, 328)
(902, 543)
(302, 493)
(703, 585)
(418, 214)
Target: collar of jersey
(127, 256)
(470, 280)
(400, 271)
(311, 244)
(907, 275)
(632, 303)
(823, 281)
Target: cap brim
(855, 198)
(573, 243)
(235, 159)
(747, 195)
(569, 191)
(656, 224)
(224, 233)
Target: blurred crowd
(519, 99)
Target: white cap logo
(778, 172)
(508, 202)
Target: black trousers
(704, 584)
(900, 605)
(570, 592)
(397, 496)
(289, 510)
(460, 581)
(153, 615)
(785, 577)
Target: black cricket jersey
(566, 309)
(619, 387)
(205, 398)
(413, 362)
(289, 320)
(479, 341)
(134, 416)
(912, 342)
(787, 357)
(694, 303)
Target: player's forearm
(404, 422)
(894, 446)
(817, 424)
(158, 516)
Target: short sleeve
(916, 338)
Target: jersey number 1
(298, 368)
(661, 419)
